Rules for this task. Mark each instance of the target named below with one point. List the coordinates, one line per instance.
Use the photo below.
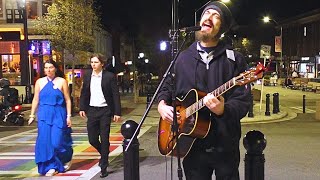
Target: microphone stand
(175, 122)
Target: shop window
(32, 9)
(45, 5)
(1, 9)
(9, 47)
(11, 68)
(40, 47)
(10, 63)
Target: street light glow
(163, 46)
(146, 61)
(266, 19)
(141, 55)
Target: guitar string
(198, 105)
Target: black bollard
(254, 142)
(278, 102)
(28, 98)
(71, 99)
(250, 112)
(267, 113)
(275, 103)
(304, 103)
(131, 157)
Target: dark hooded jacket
(192, 73)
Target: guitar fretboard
(217, 92)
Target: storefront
(10, 56)
(306, 67)
(39, 52)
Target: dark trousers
(199, 164)
(98, 127)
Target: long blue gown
(54, 143)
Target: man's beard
(205, 37)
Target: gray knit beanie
(225, 14)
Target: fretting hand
(216, 105)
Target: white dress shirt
(97, 98)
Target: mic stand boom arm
(155, 95)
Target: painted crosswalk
(299, 109)
(17, 155)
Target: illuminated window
(32, 9)
(45, 5)
(9, 47)
(1, 9)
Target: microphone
(190, 29)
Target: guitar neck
(195, 107)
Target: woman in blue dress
(51, 101)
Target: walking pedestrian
(53, 150)
(99, 103)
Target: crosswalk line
(17, 149)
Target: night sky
(152, 18)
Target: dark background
(153, 18)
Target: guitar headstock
(249, 76)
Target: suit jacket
(109, 88)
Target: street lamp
(163, 46)
(267, 19)
(26, 78)
(141, 55)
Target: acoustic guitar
(194, 121)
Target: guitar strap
(230, 55)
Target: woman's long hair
(59, 72)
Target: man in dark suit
(99, 102)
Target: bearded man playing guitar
(207, 65)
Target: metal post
(250, 113)
(275, 103)
(26, 45)
(267, 113)
(28, 98)
(131, 157)
(26, 57)
(254, 142)
(304, 103)
(281, 48)
(174, 29)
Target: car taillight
(17, 107)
